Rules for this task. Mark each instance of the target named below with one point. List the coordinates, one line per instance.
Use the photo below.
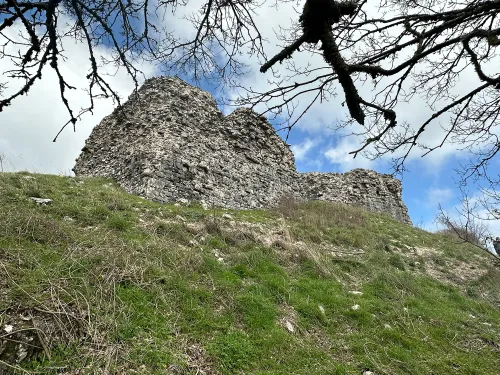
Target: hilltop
(99, 281)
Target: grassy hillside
(103, 282)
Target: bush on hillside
(472, 231)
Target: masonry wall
(371, 190)
(170, 141)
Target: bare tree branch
(407, 50)
(134, 31)
(466, 225)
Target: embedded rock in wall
(369, 189)
(170, 141)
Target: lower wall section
(368, 189)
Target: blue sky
(28, 126)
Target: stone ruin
(170, 142)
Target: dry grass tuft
(288, 206)
(321, 214)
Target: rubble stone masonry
(170, 141)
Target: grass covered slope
(103, 282)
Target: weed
(119, 223)
(234, 350)
(397, 261)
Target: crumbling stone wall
(170, 141)
(369, 189)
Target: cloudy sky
(28, 126)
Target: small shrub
(465, 227)
(213, 225)
(464, 234)
(288, 206)
(395, 260)
(119, 223)
(439, 260)
(162, 228)
(98, 213)
(322, 215)
(118, 206)
(174, 231)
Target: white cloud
(302, 149)
(438, 196)
(340, 156)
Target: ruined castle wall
(365, 188)
(238, 163)
(170, 141)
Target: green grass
(120, 284)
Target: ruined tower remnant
(170, 141)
